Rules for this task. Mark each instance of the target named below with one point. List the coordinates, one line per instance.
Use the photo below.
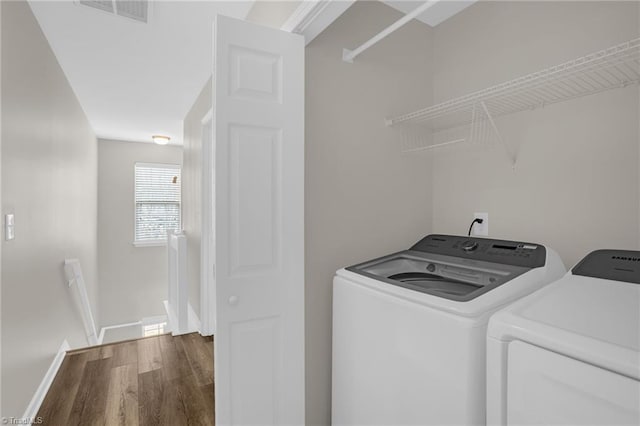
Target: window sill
(157, 243)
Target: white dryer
(409, 329)
(569, 354)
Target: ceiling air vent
(106, 5)
(133, 9)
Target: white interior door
(258, 94)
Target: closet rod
(350, 55)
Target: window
(157, 193)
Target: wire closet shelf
(615, 67)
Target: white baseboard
(110, 327)
(193, 320)
(144, 321)
(32, 409)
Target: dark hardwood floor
(162, 380)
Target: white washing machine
(409, 329)
(569, 354)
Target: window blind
(157, 197)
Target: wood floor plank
(122, 397)
(208, 340)
(56, 407)
(172, 410)
(100, 352)
(125, 353)
(209, 397)
(150, 397)
(149, 356)
(174, 361)
(91, 398)
(106, 351)
(184, 404)
(198, 357)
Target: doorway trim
(207, 276)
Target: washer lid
(602, 310)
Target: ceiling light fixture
(161, 140)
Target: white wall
(192, 189)
(364, 198)
(49, 180)
(133, 280)
(576, 183)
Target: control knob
(469, 246)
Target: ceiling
(136, 79)
(438, 13)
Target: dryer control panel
(616, 265)
(516, 253)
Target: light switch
(9, 227)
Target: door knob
(233, 300)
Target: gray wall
(133, 280)
(576, 183)
(192, 189)
(364, 198)
(49, 178)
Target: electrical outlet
(481, 229)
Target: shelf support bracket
(350, 55)
(512, 159)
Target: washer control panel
(498, 251)
(469, 245)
